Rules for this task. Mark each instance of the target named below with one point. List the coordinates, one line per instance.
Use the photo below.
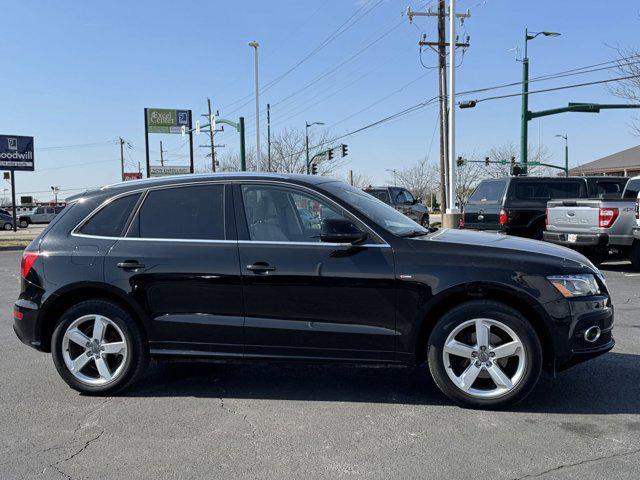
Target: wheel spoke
(482, 333)
(458, 349)
(76, 336)
(507, 350)
(499, 377)
(103, 368)
(79, 362)
(469, 376)
(113, 347)
(99, 326)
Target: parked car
(6, 221)
(39, 215)
(598, 227)
(236, 274)
(402, 200)
(517, 205)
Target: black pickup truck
(517, 205)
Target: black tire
(635, 255)
(7, 226)
(597, 257)
(424, 221)
(138, 350)
(23, 223)
(508, 316)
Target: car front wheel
(23, 223)
(424, 221)
(98, 348)
(484, 354)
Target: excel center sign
(162, 120)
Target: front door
(305, 298)
(180, 261)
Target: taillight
(546, 217)
(27, 262)
(461, 224)
(504, 217)
(606, 217)
(638, 209)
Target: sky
(77, 75)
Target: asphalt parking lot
(298, 421)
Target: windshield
(381, 213)
(489, 191)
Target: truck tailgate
(573, 216)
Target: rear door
(179, 260)
(482, 211)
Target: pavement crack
(577, 464)
(56, 465)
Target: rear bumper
(580, 240)
(25, 323)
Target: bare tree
(629, 89)
(360, 180)
(467, 178)
(508, 151)
(421, 179)
(288, 155)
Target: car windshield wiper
(415, 233)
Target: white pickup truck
(597, 227)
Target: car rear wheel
(635, 255)
(23, 223)
(424, 221)
(484, 354)
(98, 348)
(7, 226)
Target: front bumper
(580, 239)
(573, 318)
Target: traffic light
(486, 161)
(516, 170)
(460, 162)
(344, 150)
(329, 155)
(314, 169)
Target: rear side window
(381, 195)
(489, 191)
(633, 187)
(190, 213)
(549, 190)
(112, 218)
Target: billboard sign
(126, 176)
(16, 153)
(162, 120)
(163, 171)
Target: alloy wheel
(94, 350)
(484, 358)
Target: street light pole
(395, 175)
(255, 46)
(566, 153)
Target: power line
(79, 145)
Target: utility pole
(351, 177)
(213, 150)
(121, 158)
(161, 154)
(451, 202)
(566, 153)
(268, 137)
(447, 116)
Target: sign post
(16, 153)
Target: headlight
(576, 285)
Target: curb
(9, 248)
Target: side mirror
(340, 230)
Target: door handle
(260, 267)
(130, 265)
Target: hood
(526, 246)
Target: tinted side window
(381, 195)
(548, 190)
(633, 187)
(111, 219)
(195, 213)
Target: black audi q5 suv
(299, 268)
